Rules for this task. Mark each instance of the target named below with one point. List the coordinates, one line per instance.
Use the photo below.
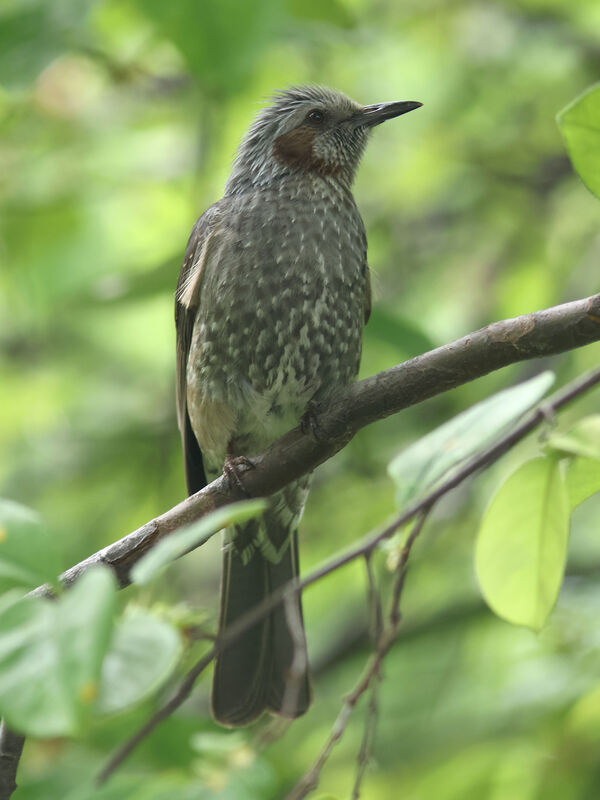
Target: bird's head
(309, 129)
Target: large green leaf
(142, 655)
(418, 468)
(579, 124)
(28, 554)
(522, 543)
(51, 653)
(184, 540)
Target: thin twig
(372, 712)
(299, 665)
(295, 586)
(370, 728)
(395, 618)
(373, 599)
(310, 780)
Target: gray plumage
(271, 300)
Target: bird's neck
(295, 182)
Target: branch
(362, 549)
(542, 333)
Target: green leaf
(579, 124)
(522, 543)
(419, 467)
(184, 540)
(28, 555)
(142, 655)
(51, 654)
(582, 439)
(583, 479)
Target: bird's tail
(266, 667)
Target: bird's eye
(316, 116)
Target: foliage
(119, 122)
(435, 456)
(522, 543)
(580, 125)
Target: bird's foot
(233, 468)
(309, 421)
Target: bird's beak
(369, 116)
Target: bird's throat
(295, 149)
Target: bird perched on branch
(270, 304)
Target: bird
(270, 304)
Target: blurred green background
(119, 122)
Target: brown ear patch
(295, 149)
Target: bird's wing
(187, 300)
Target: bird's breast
(282, 304)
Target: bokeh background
(119, 120)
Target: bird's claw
(233, 467)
